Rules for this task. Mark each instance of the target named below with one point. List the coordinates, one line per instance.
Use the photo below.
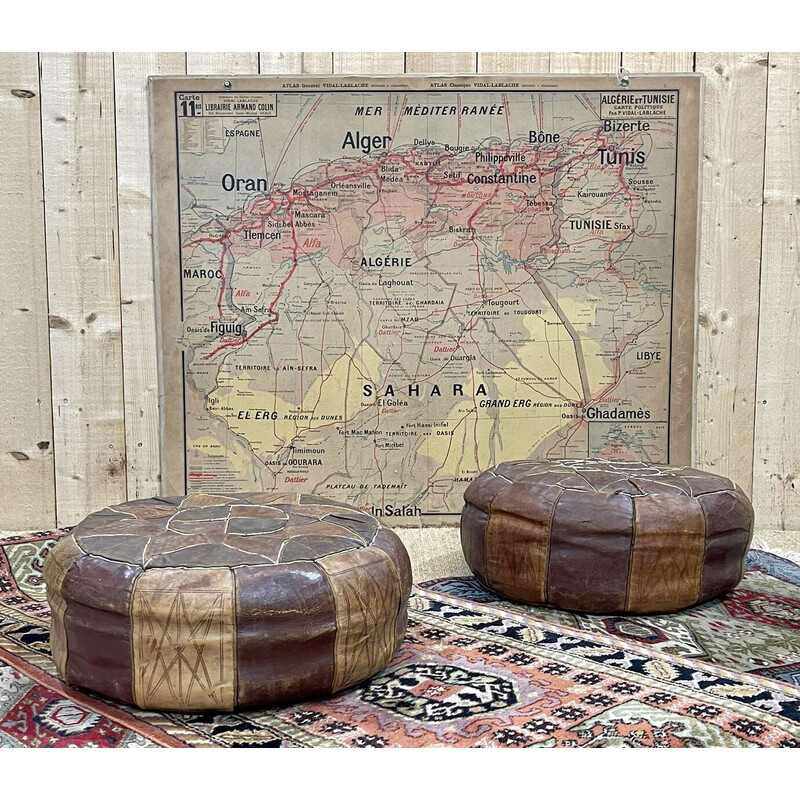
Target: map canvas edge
(166, 228)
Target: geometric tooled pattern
(216, 530)
(782, 612)
(183, 649)
(439, 692)
(574, 688)
(570, 688)
(366, 614)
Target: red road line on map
(273, 314)
(374, 168)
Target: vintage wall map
(374, 289)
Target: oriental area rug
(755, 628)
(473, 672)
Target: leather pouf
(603, 536)
(215, 603)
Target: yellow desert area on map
(384, 292)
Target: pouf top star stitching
(624, 477)
(204, 530)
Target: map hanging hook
(623, 76)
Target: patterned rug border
(153, 725)
(615, 641)
(47, 533)
(114, 712)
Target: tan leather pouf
(603, 536)
(214, 603)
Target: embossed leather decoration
(215, 603)
(605, 536)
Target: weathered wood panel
(221, 63)
(140, 367)
(511, 63)
(584, 62)
(456, 63)
(733, 166)
(83, 281)
(296, 63)
(369, 63)
(776, 472)
(658, 62)
(27, 499)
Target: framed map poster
(373, 289)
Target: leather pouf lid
(603, 536)
(213, 603)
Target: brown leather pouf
(603, 536)
(208, 602)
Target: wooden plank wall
(27, 467)
(83, 280)
(78, 382)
